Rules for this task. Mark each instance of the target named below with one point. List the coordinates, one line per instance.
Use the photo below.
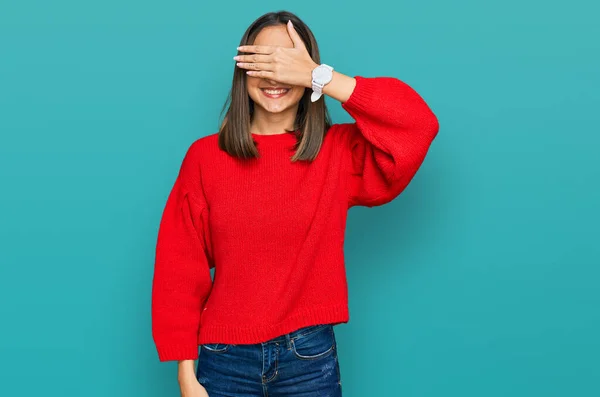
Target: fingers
(261, 73)
(256, 66)
(255, 62)
(255, 58)
(296, 39)
(260, 49)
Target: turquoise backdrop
(481, 279)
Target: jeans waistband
(299, 332)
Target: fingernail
(236, 58)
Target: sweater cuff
(365, 93)
(177, 352)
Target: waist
(299, 333)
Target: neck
(267, 123)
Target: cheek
(254, 94)
(298, 93)
(251, 84)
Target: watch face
(321, 73)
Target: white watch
(321, 75)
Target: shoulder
(201, 147)
(199, 152)
(342, 132)
(204, 142)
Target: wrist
(186, 377)
(310, 78)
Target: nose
(272, 82)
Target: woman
(264, 202)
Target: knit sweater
(273, 229)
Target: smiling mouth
(274, 93)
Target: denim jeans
(301, 363)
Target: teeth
(275, 92)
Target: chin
(275, 107)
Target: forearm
(185, 370)
(340, 87)
(392, 134)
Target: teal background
(481, 279)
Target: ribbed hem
(284, 138)
(177, 352)
(261, 333)
(363, 95)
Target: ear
(298, 43)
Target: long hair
(312, 118)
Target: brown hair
(312, 119)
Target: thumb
(296, 39)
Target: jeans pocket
(216, 347)
(313, 345)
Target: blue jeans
(301, 363)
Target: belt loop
(288, 342)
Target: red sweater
(273, 229)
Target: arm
(388, 142)
(340, 87)
(182, 279)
